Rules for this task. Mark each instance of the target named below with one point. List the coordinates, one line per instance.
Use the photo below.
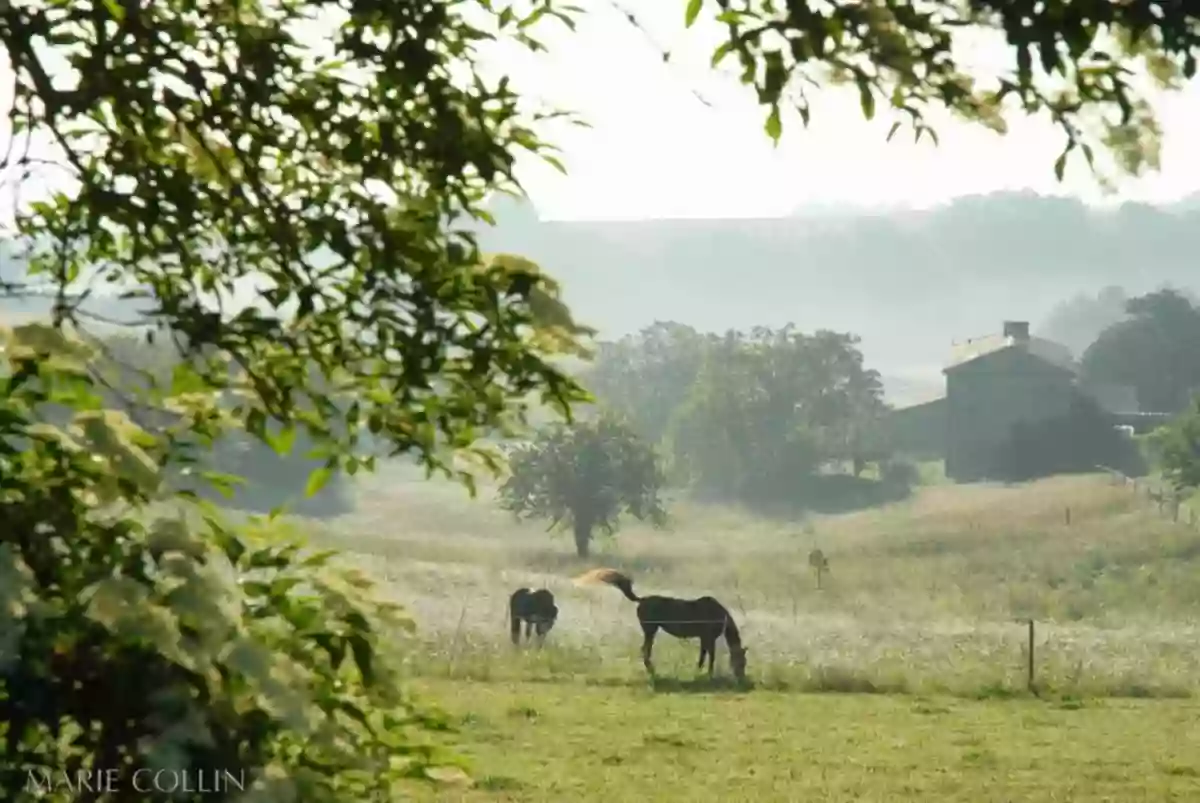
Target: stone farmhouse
(994, 383)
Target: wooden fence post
(820, 564)
(1031, 664)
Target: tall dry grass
(921, 595)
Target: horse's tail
(613, 578)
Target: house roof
(908, 408)
(977, 348)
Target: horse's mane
(733, 636)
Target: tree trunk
(583, 538)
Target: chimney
(1017, 330)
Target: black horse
(703, 618)
(536, 609)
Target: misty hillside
(908, 282)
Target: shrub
(900, 474)
(134, 640)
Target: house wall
(988, 396)
(919, 431)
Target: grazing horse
(536, 609)
(703, 618)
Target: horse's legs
(528, 629)
(516, 628)
(648, 646)
(708, 648)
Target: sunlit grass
(560, 742)
(904, 679)
(922, 596)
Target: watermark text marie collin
(193, 781)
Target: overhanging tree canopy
(330, 153)
(1085, 64)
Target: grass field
(920, 604)
(544, 742)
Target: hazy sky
(657, 151)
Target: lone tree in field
(585, 475)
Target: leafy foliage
(268, 479)
(330, 173)
(132, 640)
(285, 191)
(1176, 449)
(646, 376)
(585, 475)
(1154, 351)
(772, 408)
(1078, 321)
(1075, 61)
(755, 417)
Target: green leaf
(533, 17)
(1089, 155)
(693, 11)
(892, 131)
(723, 50)
(256, 422)
(318, 558)
(115, 9)
(225, 484)
(1060, 165)
(284, 441)
(774, 127)
(364, 656)
(866, 97)
(334, 645)
(317, 480)
(554, 162)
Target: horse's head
(737, 661)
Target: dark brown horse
(703, 618)
(536, 609)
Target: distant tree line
(1149, 343)
(772, 418)
(775, 420)
(1154, 348)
